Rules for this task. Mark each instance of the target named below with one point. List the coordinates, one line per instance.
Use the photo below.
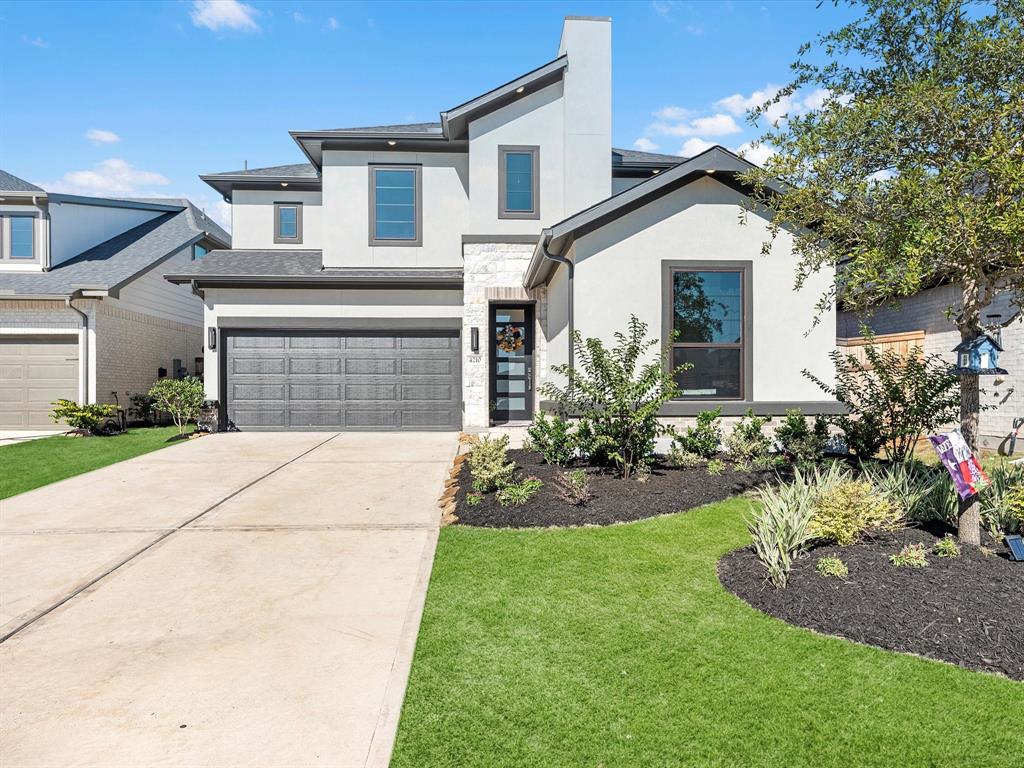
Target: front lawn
(618, 646)
(40, 462)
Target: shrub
(683, 459)
(892, 399)
(912, 485)
(778, 526)
(141, 409)
(473, 499)
(552, 438)
(517, 494)
(800, 442)
(716, 467)
(947, 547)
(181, 398)
(832, 567)
(84, 418)
(851, 510)
(747, 442)
(489, 463)
(998, 512)
(617, 396)
(1015, 504)
(573, 487)
(910, 556)
(704, 438)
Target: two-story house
(429, 276)
(85, 313)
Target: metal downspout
(85, 341)
(572, 271)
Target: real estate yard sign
(960, 461)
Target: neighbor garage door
(33, 373)
(351, 380)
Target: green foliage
(851, 510)
(778, 525)
(517, 494)
(617, 393)
(705, 437)
(910, 556)
(552, 437)
(715, 467)
(947, 547)
(473, 499)
(892, 399)
(84, 418)
(747, 443)
(1015, 504)
(489, 463)
(800, 442)
(682, 459)
(832, 567)
(916, 488)
(573, 487)
(181, 398)
(1001, 500)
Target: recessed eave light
(710, 171)
(284, 183)
(520, 89)
(391, 142)
(656, 170)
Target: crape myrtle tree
(911, 172)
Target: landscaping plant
(910, 556)
(474, 499)
(517, 494)
(84, 419)
(181, 398)
(705, 437)
(832, 567)
(912, 485)
(574, 487)
(617, 393)
(851, 510)
(778, 525)
(998, 499)
(800, 442)
(552, 437)
(715, 467)
(682, 459)
(947, 547)
(747, 443)
(489, 464)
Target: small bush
(574, 487)
(799, 442)
(778, 526)
(1001, 499)
(912, 485)
(1015, 504)
(181, 398)
(473, 499)
(681, 459)
(851, 510)
(832, 567)
(517, 494)
(947, 547)
(705, 437)
(85, 418)
(911, 556)
(747, 442)
(716, 467)
(552, 438)
(489, 464)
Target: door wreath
(510, 338)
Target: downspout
(85, 340)
(569, 286)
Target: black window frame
(518, 149)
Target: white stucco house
(85, 313)
(429, 276)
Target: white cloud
(299, 18)
(674, 113)
(694, 146)
(662, 7)
(99, 136)
(332, 23)
(713, 125)
(110, 177)
(224, 14)
(883, 175)
(758, 154)
(790, 105)
(645, 145)
(35, 42)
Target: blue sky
(138, 98)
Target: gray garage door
(352, 380)
(33, 373)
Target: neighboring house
(429, 276)
(84, 311)
(922, 320)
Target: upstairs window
(198, 251)
(518, 183)
(22, 243)
(288, 223)
(395, 205)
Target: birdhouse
(979, 355)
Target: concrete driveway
(237, 600)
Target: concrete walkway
(237, 600)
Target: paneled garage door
(33, 373)
(351, 380)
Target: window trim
(503, 151)
(199, 245)
(746, 346)
(279, 239)
(6, 232)
(417, 170)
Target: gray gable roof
(273, 171)
(11, 183)
(400, 128)
(634, 157)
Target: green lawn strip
(618, 647)
(40, 462)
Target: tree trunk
(969, 510)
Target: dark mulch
(968, 611)
(615, 500)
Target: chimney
(587, 103)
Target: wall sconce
(474, 339)
(211, 338)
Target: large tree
(910, 171)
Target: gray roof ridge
(129, 236)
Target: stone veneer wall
(493, 273)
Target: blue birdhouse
(979, 355)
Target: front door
(511, 363)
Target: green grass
(618, 647)
(40, 462)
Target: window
(288, 223)
(518, 188)
(709, 311)
(395, 205)
(198, 251)
(21, 236)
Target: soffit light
(391, 142)
(520, 89)
(284, 183)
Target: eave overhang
(224, 183)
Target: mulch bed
(615, 500)
(968, 611)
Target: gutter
(77, 293)
(544, 241)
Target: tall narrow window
(395, 205)
(198, 251)
(22, 237)
(288, 223)
(518, 188)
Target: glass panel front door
(511, 363)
